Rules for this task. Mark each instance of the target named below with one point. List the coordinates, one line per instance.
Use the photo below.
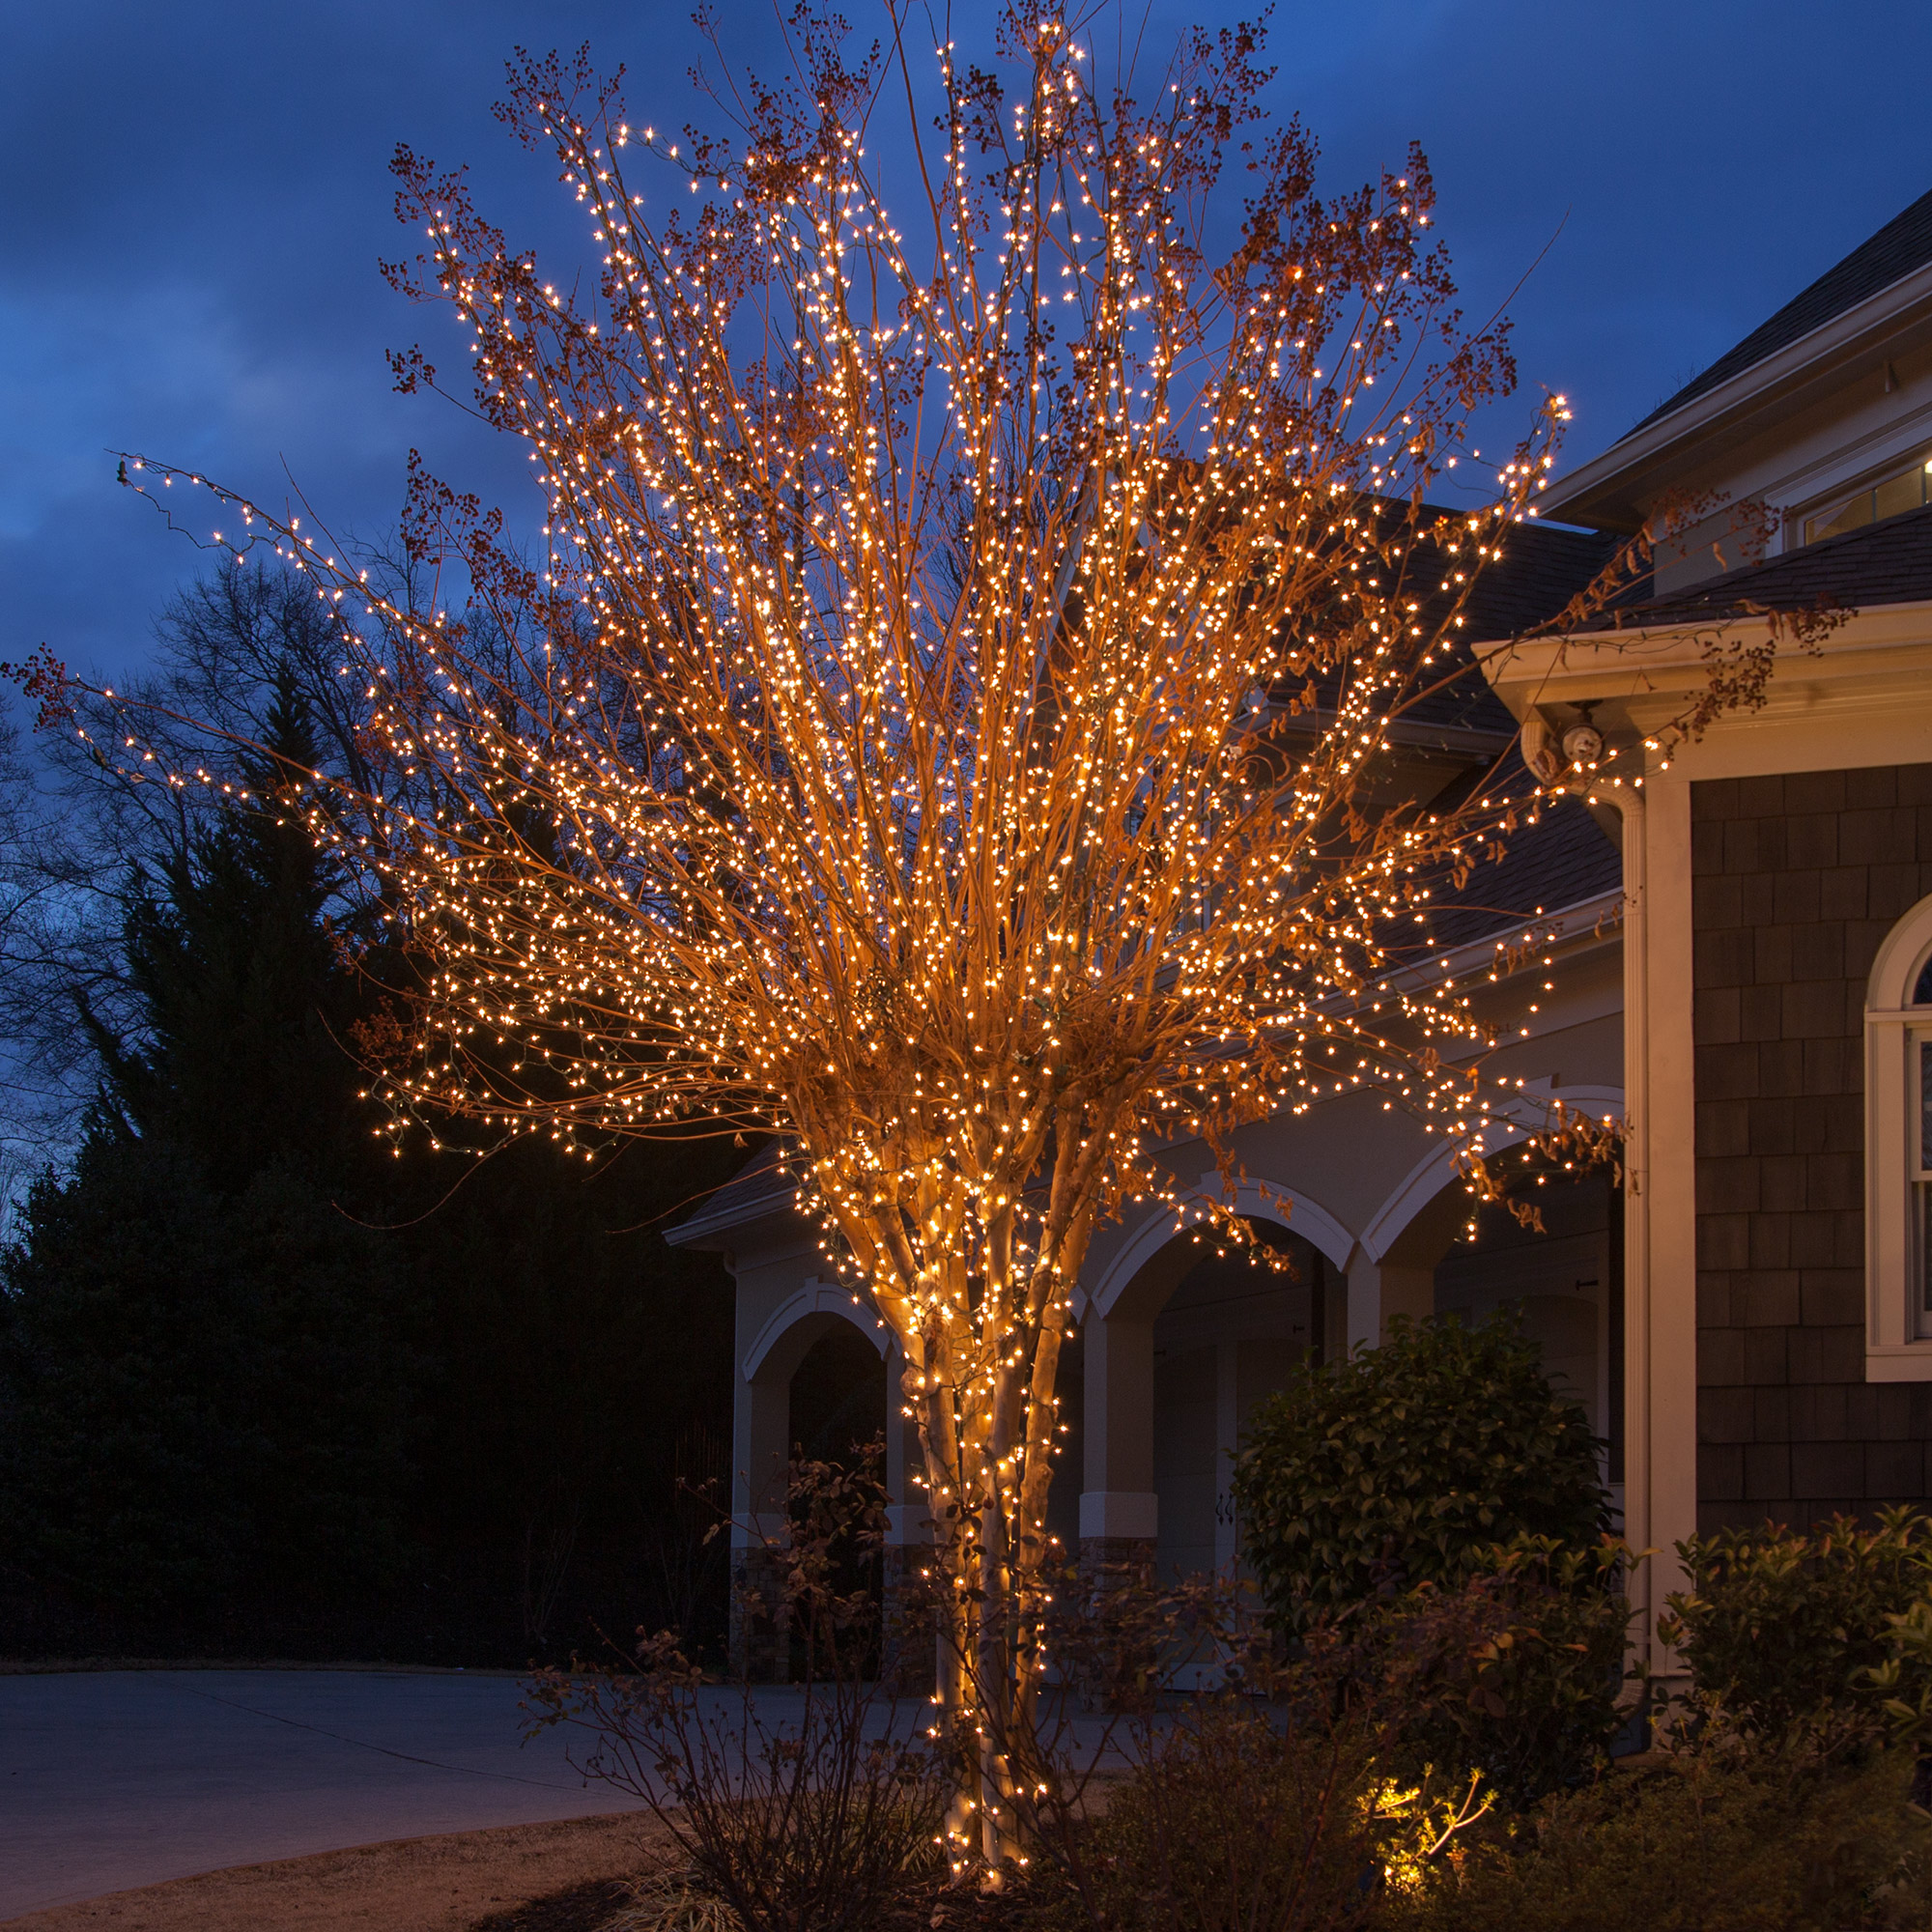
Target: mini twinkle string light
(953, 724)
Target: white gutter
(1571, 924)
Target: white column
(1661, 1291)
(1379, 1291)
(760, 1432)
(908, 1512)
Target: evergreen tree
(202, 1361)
(242, 999)
(262, 1386)
(205, 1409)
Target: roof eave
(1657, 664)
(697, 1231)
(1616, 490)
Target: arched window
(1898, 1153)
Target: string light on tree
(949, 725)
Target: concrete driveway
(115, 1779)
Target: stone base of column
(1116, 1560)
(758, 1641)
(1115, 1570)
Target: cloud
(197, 198)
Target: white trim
(815, 1298)
(1895, 1352)
(1433, 1172)
(1660, 1466)
(1691, 433)
(908, 1525)
(1632, 802)
(1876, 661)
(1591, 922)
(1262, 1200)
(1900, 954)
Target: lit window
(1898, 1153)
(1909, 490)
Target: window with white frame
(1898, 1152)
(1919, 1134)
(1907, 489)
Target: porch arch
(1436, 1168)
(797, 1322)
(1259, 1200)
(1175, 1354)
(761, 1402)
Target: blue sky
(194, 196)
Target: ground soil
(559, 1877)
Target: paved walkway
(115, 1779)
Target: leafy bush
(1707, 1842)
(1276, 1786)
(1240, 1824)
(1535, 1703)
(1782, 1630)
(1409, 1463)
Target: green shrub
(1535, 1701)
(1237, 1824)
(1707, 1842)
(1782, 1629)
(1407, 1464)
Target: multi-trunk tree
(948, 725)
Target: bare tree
(951, 728)
(59, 932)
(86, 834)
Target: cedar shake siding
(1796, 880)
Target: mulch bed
(580, 1907)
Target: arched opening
(1232, 1332)
(1174, 1360)
(1564, 1278)
(812, 1379)
(837, 1396)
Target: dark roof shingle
(1904, 243)
(1543, 566)
(1884, 563)
(762, 1184)
(1564, 860)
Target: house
(1734, 936)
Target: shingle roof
(1904, 243)
(1563, 859)
(762, 1184)
(1884, 563)
(1543, 567)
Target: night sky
(194, 198)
